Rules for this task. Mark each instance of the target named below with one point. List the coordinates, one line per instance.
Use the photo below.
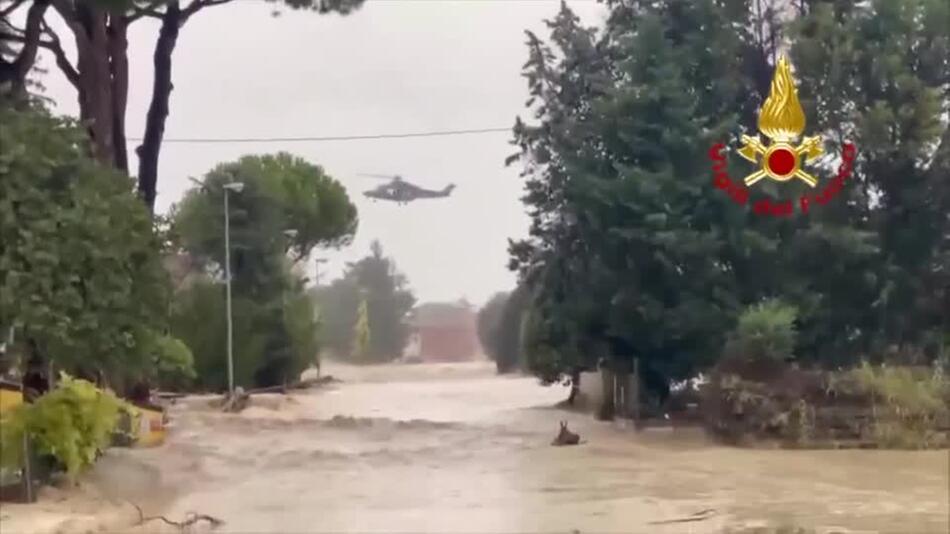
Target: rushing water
(454, 448)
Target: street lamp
(237, 187)
(316, 271)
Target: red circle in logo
(782, 161)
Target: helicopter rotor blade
(380, 176)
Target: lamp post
(316, 271)
(237, 187)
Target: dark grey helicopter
(403, 192)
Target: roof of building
(442, 314)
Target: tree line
(633, 253)
(85, 264)
(371, 301)
(93, 285)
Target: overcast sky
(394, 66)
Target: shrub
(174, 363)
(909, 404)
(766, 331)
(72, 424)
(489, 323)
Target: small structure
(444, 332)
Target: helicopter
(403, 192)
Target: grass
(908, 405)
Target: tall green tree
(336, 306)
(489, 321)
(287, 208)
(632, 253)
(80, 273)
(388, 298)
(509, 336)
(624, 224)
(879, 74)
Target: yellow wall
(151, 430)
(9, 399)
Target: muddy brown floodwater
(455, 448)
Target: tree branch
(11, 8)
(198, 5)
(53, 45)
(17, 71)
(151, 10)
(66, 10)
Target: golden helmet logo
(782, 158)
(782, 121)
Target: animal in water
(566, 437)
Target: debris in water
(698, 516)
(190, 519)
(566, 437)
(236, 402)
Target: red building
(444, 332)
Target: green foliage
(198, 319)
(281, 192)
(877, 74)
(343, 7)
(624, 221)
(388, 301)
(908, 403)
(337, 304)
(489, 322)
(766, 331)
(274, 323)
(632, 253)
(72, 423)
(302, 327)
(174, 363)
(510, 334)
(80, 272)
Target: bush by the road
(72, 424)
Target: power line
(326, 138)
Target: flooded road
(455, 448)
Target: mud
(454, 448)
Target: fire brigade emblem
(782, 121)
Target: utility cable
(326, 138)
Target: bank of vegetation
(101, 301)
(633, 256)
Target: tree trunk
(575, 386)
(119, 70)
(16, 72)
(101, 76)
(148, 151)
(89, 27)
(35, 374)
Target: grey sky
(394, 66)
